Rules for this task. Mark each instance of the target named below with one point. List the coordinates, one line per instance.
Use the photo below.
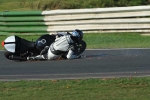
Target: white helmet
(77, 33)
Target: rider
(63, 44)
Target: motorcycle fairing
(44, 40)
(9, 44)
(16, 44)
(23, 45)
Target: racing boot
(39, 57)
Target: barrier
(116, 19)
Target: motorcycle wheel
(13, 56)
(80, 48)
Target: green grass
(117, 40)
(22, 5)
(87, 89)
(106, 40)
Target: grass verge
(22, 5)
(87, 89)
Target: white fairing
(10, 44)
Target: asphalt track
(97, 64)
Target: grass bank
(117, 40)
(88, 89)
(22, 5)
(106, 40)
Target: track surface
(97, 64)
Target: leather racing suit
(65, 44)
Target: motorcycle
(18, 49)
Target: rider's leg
(52, 56)
(42, 56)
(38, 57)
(71, 55)
(45, 50)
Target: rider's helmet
(78, 34)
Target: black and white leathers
(63, 44)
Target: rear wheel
(13, 56)
(8, 55)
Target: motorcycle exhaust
(14, 57)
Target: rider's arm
(61, 33)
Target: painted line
(72, 76)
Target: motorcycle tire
(80, 48)
(13, 56)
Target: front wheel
(80, 48)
